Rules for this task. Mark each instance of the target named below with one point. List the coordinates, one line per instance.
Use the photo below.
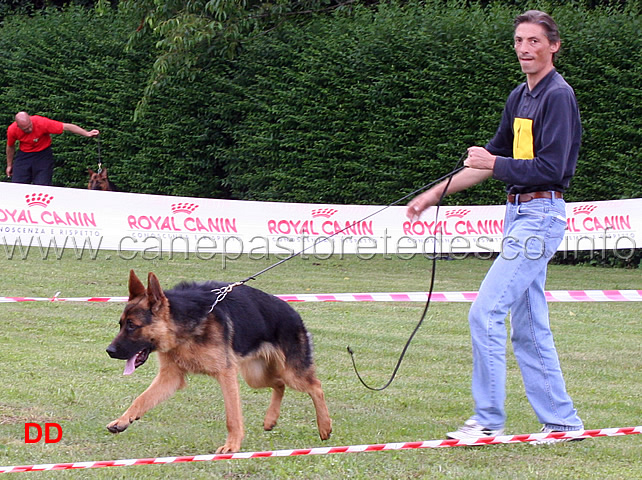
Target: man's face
(534, 51)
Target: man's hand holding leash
(479, 163)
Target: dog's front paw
(229, 448)
(325, 433)
(325, 429)
(119, 425)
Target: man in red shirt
(34, 161)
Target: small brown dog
(249, 331)
(100, 181)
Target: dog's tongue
(130, 366)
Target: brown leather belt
(527, 197)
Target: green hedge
(346, 108)
(363, 108)
(70, 66)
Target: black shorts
(33, 167)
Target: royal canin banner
(46, 218)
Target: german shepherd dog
(248, 331)
(100, 181)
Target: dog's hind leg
(308, 382)
(274, 410)
(261, 372)
(324, 423)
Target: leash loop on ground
(448, 176)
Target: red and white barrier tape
(61, 299)
(503, 439)
(551, 296)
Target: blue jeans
(515, 283)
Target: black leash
(100, 160)
(449, 175)
(221, 293)
(432, 284)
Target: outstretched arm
(480, 167)
(70, 127)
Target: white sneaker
(549, 441)
(472, 430)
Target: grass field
(53, 368)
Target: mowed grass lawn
(54, 368)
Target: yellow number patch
(523, 139)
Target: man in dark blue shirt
(534, 151)
(543, 119)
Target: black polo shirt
(538, 139)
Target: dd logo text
(37, 430)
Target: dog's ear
(91, 172)
(155, 295)
(136, 287)
(103, 174)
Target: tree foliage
(192, 34)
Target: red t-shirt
(39, 138)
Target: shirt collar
(543, 83)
